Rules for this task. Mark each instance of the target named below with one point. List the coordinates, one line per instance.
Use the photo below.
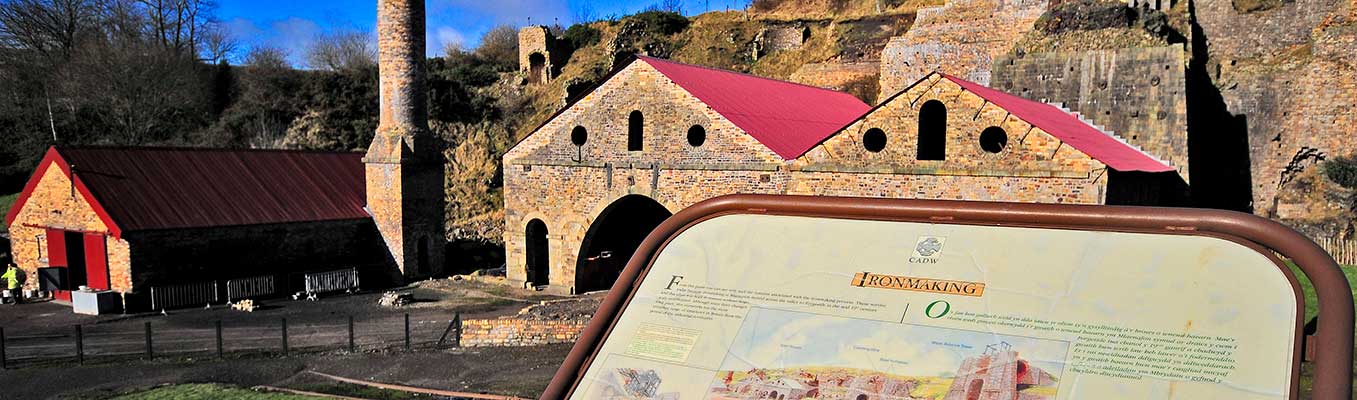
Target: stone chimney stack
(404, 167)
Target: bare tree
(343, 50)
(178, 25)
(673, 6)
(51, 27)
(500, 45)
(217, 45)
(584, 13)
(266, 57)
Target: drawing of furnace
(1000, 374)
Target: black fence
(151, 340)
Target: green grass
(6, 201)
(1311, 302)
(200, 391)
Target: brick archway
(613, 237)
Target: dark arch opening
(538, 253)
(973, 391)
(993, 139)
(613, 238)
(537, 66)
(697, 135)
(635, 131)
(579, 136)
(874, 140)
(422, 256)
(932, 131)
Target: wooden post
(285, 349)
(407, 331)
(457, 335)
(221, 353)
(351, 344)
(79, 344)
(150, 353)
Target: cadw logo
(927, 249)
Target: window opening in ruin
(537, 65)
(612, 238)
(993, 139)
(932, 131)
(874, 140)
(579, 136)
(973, 391)
(635, 131)
(697, 135)
(538, 253)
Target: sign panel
(751, 306)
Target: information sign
(759, 297)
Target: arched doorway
(539, 253)
(973, 391)
(612, 239)
(932, 131)
(537, 65)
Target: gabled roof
(789, 118)
(1104, 147)
(135, 189)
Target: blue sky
(291, 25)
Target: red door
(56, 257)
(96, 262)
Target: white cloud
(438, 39)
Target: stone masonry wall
(548, 178)
(1137, 93)
(1029, 150)
(519, 332)
(960, 38)
(55, 204)
(835, 76)
(536, 39)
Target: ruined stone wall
(519, 332)
(960, 38)
(1136, 93)
(1232, 34)
(836, 76)
(537, 39)
(55, 204)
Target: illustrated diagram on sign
(631, 384)
(786, 355)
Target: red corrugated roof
(1105, 148)
(789, 118)
(166, 188)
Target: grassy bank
(6, 201)
(199, 391)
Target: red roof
(164, 188)
(789, 118)
(1108, 149)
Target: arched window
(697, 135)
(932, 131)
(635, 131)
(993, 139)
(874, 140)
(579, 136)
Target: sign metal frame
(1331, 344)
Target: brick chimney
(403, 164)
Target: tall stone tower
(404, 167)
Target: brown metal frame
(1333, 338)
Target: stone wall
(837, 76)
(961, 38)
(549, 178)
(1137, 93)
(537, 39)
(519, 332)
(56, 204)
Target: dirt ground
(519, 371)
(40, 344)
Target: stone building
(127, 219)
(538, 55)
(960, 37)
(998, 374)
(657, 136)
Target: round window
(697, 135)
(874, 140)
(579, 135)
(993, 139)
